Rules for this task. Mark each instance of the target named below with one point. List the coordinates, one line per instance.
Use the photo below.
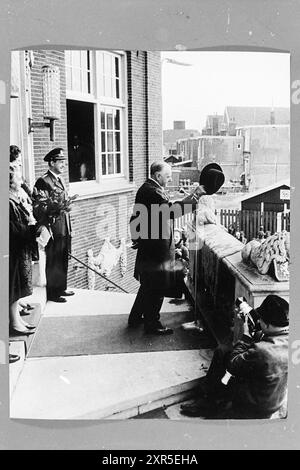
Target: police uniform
(57, 248)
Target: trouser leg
(56, 266)
(212, 386)
(147, 303)
(137, 309)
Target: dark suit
(155, 266)
(58, 246)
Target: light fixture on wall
(51, 100)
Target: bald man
(152, 233)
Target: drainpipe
(147, 113)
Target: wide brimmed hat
(55, 154)
(212, 178)
(274, 310)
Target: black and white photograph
(149, 234)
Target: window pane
(103, 149)
(89, 71)
(89, 82)
(107, 86)
(76, 80)
(110, 164)
(117, 119)
(117, 88)
(104, 171)
(117, 66)
(100, 78)
(76, 59)
(102, 120)
(84, 63)
(110, 142)
(84, 82)
(118, 163)
(109, 118)
(107, 64)
(81, 143)
(117, 141)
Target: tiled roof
(253, 115)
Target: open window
(96, 117)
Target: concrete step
(32, 319)
(15, 369)
(107, 386)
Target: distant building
(238, 116)
(214, 125)
(171, 136)
(274, 198)
(266, 154)
(224, 150)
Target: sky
(216, 79)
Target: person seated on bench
(257, 367)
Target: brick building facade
(103, 207)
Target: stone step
(33, 319)
(107, 386)
(15, 369)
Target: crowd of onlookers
(240, 234)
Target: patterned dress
(21, 237)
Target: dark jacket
(260, 370)
(62, 225)
(155, 261)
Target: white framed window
(96, 90)
(78, 72)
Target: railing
(181, 222)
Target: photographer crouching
(249, 379)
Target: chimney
(179, 125)
(272, 116)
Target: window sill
(91, 189)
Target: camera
(239, 301)
(252, 319)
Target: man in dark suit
(152, 233)
(58, 245)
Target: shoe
(57, 299)
(205, 407)
(67, 293)
(193, 325)
(202, 408)
(161, 331)
(24, 312)
(13, 358)
(16, 332)
(135, 322)
(30, 327)
(26, 307)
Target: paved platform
(106, 386)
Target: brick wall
(41, 136)
(95, 218)
(155, 136)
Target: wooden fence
(250, 221)
(181, 222)
(247, 221)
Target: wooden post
(278, 222)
